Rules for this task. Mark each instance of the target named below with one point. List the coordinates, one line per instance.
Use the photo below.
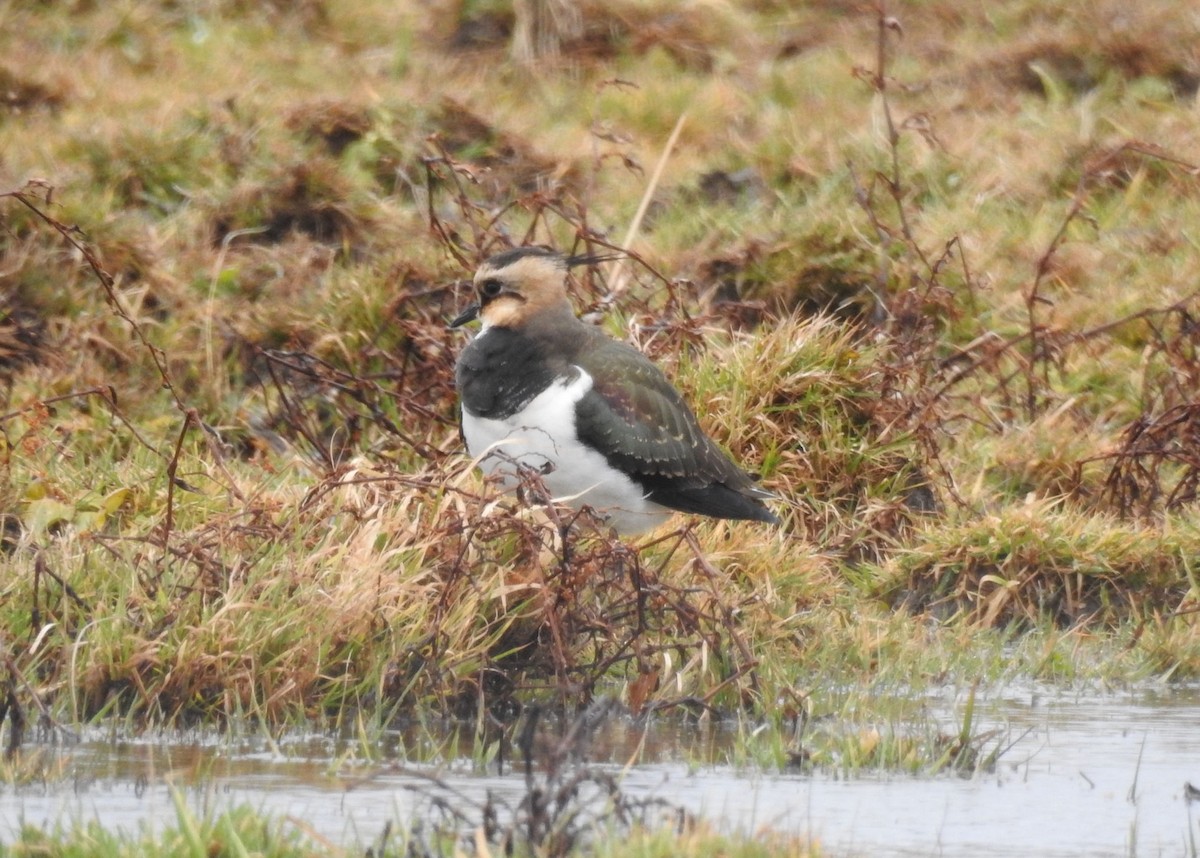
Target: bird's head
(519, 284)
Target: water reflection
(1088, 775)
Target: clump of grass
(23, 91)
(814, 390)
(1037, 561)
(32, 767)
(150, 168)
(337, 124)
(500, 162)
(310, 197)
(241, 830)
(920, 749)
(1075, 52)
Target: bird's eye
(490, 288)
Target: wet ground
(1087, 774)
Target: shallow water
(1086, 775)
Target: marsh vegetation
(931, 269)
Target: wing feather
(635, 417)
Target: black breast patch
(500, 372)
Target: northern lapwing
(594, 417)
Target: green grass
(241, 831)
(244, 831)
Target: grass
(242, 830)
(945, 305)
(245, 831)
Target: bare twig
(37, 194)
(190, 417)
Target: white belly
(542, 436)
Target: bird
(594, 417)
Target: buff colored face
(510, 295)
(513, 293)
